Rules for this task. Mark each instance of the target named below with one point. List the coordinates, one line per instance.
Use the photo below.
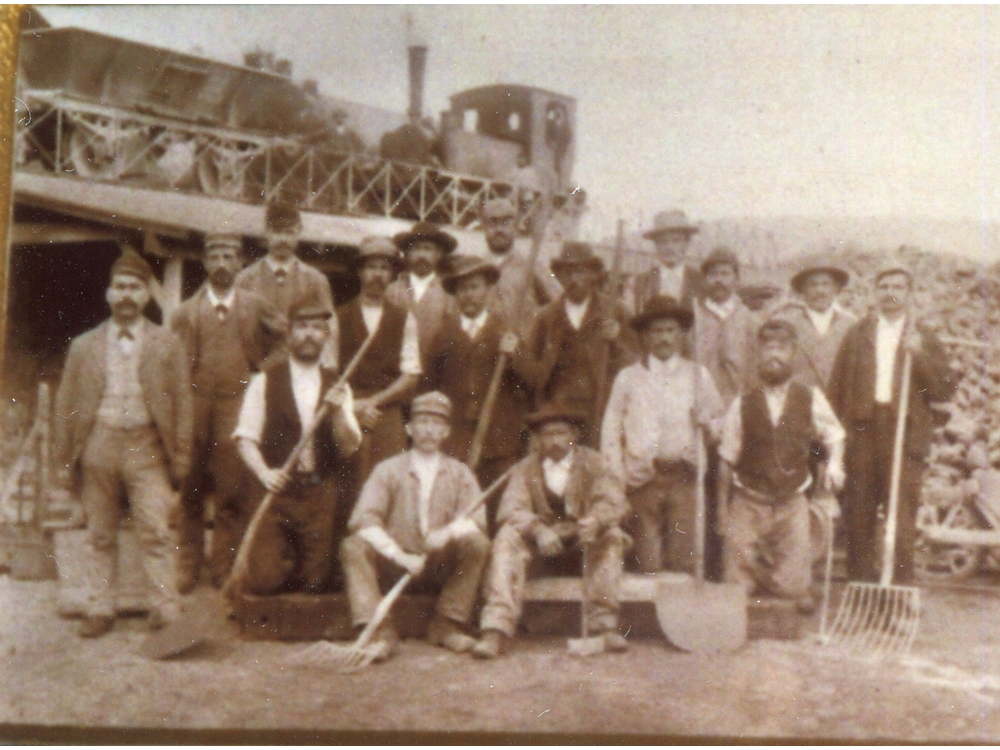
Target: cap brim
(839, 275)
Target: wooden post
(10, 35)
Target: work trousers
(294, 546)
(133, 460)
(218, 476)
(663, 513)
(766, 547)
(452, 574)
(868, 463)
(515, 560)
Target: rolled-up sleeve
(250, 425)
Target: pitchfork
(882, 619)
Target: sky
(724, 112)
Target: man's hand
(610, 329)
(548, 541)
(438, 539)
(414, 564)
(337, 396)
(367, 412)
(833, 479)
(274, 480)
(508, 343)
(828, 505)
(590, 527)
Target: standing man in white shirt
(764, 472)
(228, 334)
(410, 517)
(419, 289)
(864, 390)
(649, 436)
(294, 547)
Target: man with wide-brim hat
(560, 500)
(418, 288)
(294, 546)
(415, 515)
(576, 340)
(670, 275)
(388, 373)
(649, 436)
(282, 278)
(864, 388)
(820, 322)
(229, 334)
(461, 364)
(521, 291)
(125, 411)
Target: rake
(358, 655)
(882, 619)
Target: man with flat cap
(280, 277)
(418, 288)
(576, 340)
(124, 424)
(228, 333)
(820, 323)
(764, 473)
(559, 515)
(649, 436)
(416, 515)
(671, 275)
(295, 544)
(865, 386)
(519, 292)
(462, 360)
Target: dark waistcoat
(775, 461)
(379, 368)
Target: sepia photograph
(500, 374)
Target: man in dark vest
(670, 276)
(764, 473)
(228, 334)
(295, 544)
(576, 341)
(461, 362)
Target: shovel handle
(889, 553)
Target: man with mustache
(295, 543)
(419, 289)
(670, 276)
(124, 423)
(764, 473)
(229, 333)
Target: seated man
(764, 473)
(412, 516)
(294, 544)
(563, 504)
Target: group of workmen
(467, 422)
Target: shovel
(697, 616)
(584, 645)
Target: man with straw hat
(670, 276)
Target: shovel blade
(703, 618)
(202, 614)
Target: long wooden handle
(241, 563)
(889, 553)
(382, 610)
(700, 527)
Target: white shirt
(821, 320)
(671, 280)
(887, 337)
(426, 470)
(226, 302)
(724, 310)
(472, 326)
(420, 285)
(287, 266)
(409, 357)
(576, 313)
(556, 473)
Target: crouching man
(412, 516)
(560, 513)
(294, 546)
(764, 473)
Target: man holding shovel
(559, 513)
(294, 545)
(764, 473)
(411, 518)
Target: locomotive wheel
(950, 562)
(91, 154)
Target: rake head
(339, 657)
(876, 620)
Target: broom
(360, 653)
(882, 619)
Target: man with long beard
(764, 473)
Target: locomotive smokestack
(418, 66)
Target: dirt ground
(947, 690)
